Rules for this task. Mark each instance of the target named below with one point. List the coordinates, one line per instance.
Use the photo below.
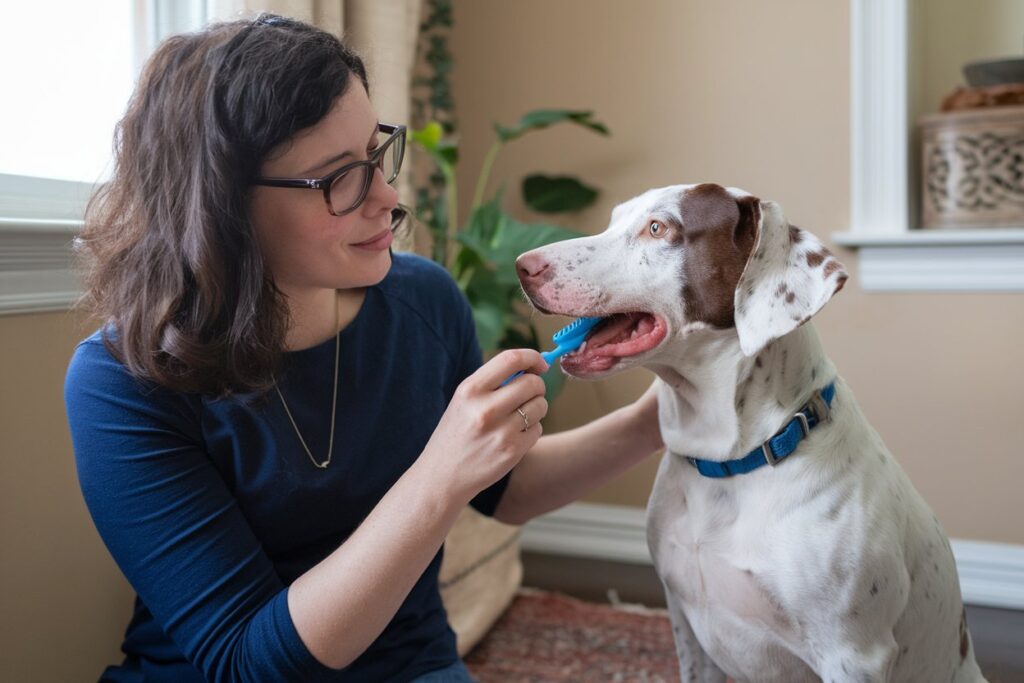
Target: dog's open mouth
(616, 337)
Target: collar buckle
(805, 424)
(820, 407)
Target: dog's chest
(705, 541)
(709, 550)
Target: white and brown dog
(822, 564)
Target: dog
(791, 545)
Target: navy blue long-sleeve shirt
(211, 508)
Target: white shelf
(982, 260)
(932, 238)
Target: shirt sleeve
(470, 360)
(174, 528)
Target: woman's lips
(378, 242)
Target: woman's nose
(381, 193)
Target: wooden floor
(998, 634)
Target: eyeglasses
(345, 188)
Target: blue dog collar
(817, 410)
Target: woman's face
(302, 243)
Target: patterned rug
(548, 638)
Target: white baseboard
(991, 574)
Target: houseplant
(480, 253)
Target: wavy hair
(171, 260)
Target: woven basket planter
(973, 168)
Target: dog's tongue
(625, 334)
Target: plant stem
(464, 278)
(452, 223)
(485, 172)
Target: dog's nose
(530, 265)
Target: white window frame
(894, 257)
(39, 217)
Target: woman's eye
(657, 229)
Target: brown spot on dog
(794, 234)
(790, 297)
(815, 258)
(719, 233)
(839, 284)
(964, 640)
(831, 267)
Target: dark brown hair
(172, 262)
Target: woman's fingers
(530, 414)
(507, 363)
(520, 390)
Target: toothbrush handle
(511, 377)
(548, 356)
(552, 355)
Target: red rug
(548, 638)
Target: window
(69, 80)
(69, 70)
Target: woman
(280, 420)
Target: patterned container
(973, 168)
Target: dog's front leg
(695, 666)
(852, 663)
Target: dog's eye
(657, 229)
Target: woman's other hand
(482, 435)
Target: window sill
(36, 271)
(981, 260)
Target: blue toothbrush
(566, 340)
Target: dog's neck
(717, 404)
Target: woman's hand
(482, 434)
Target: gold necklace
(334, 400)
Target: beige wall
(756, 95)
(64, 603)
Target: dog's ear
(789, 276)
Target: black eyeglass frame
(396, 135)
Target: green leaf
(482, 226)
(542, 118)
(429, 136)
(513, 238)
(431, 139)
(468, 260)
(555, 194)
(491, 313)
(449, 151)
(520, 336)
(490, 324)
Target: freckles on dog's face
(670, 257)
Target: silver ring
(526, 420)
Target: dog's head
(677, 260)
